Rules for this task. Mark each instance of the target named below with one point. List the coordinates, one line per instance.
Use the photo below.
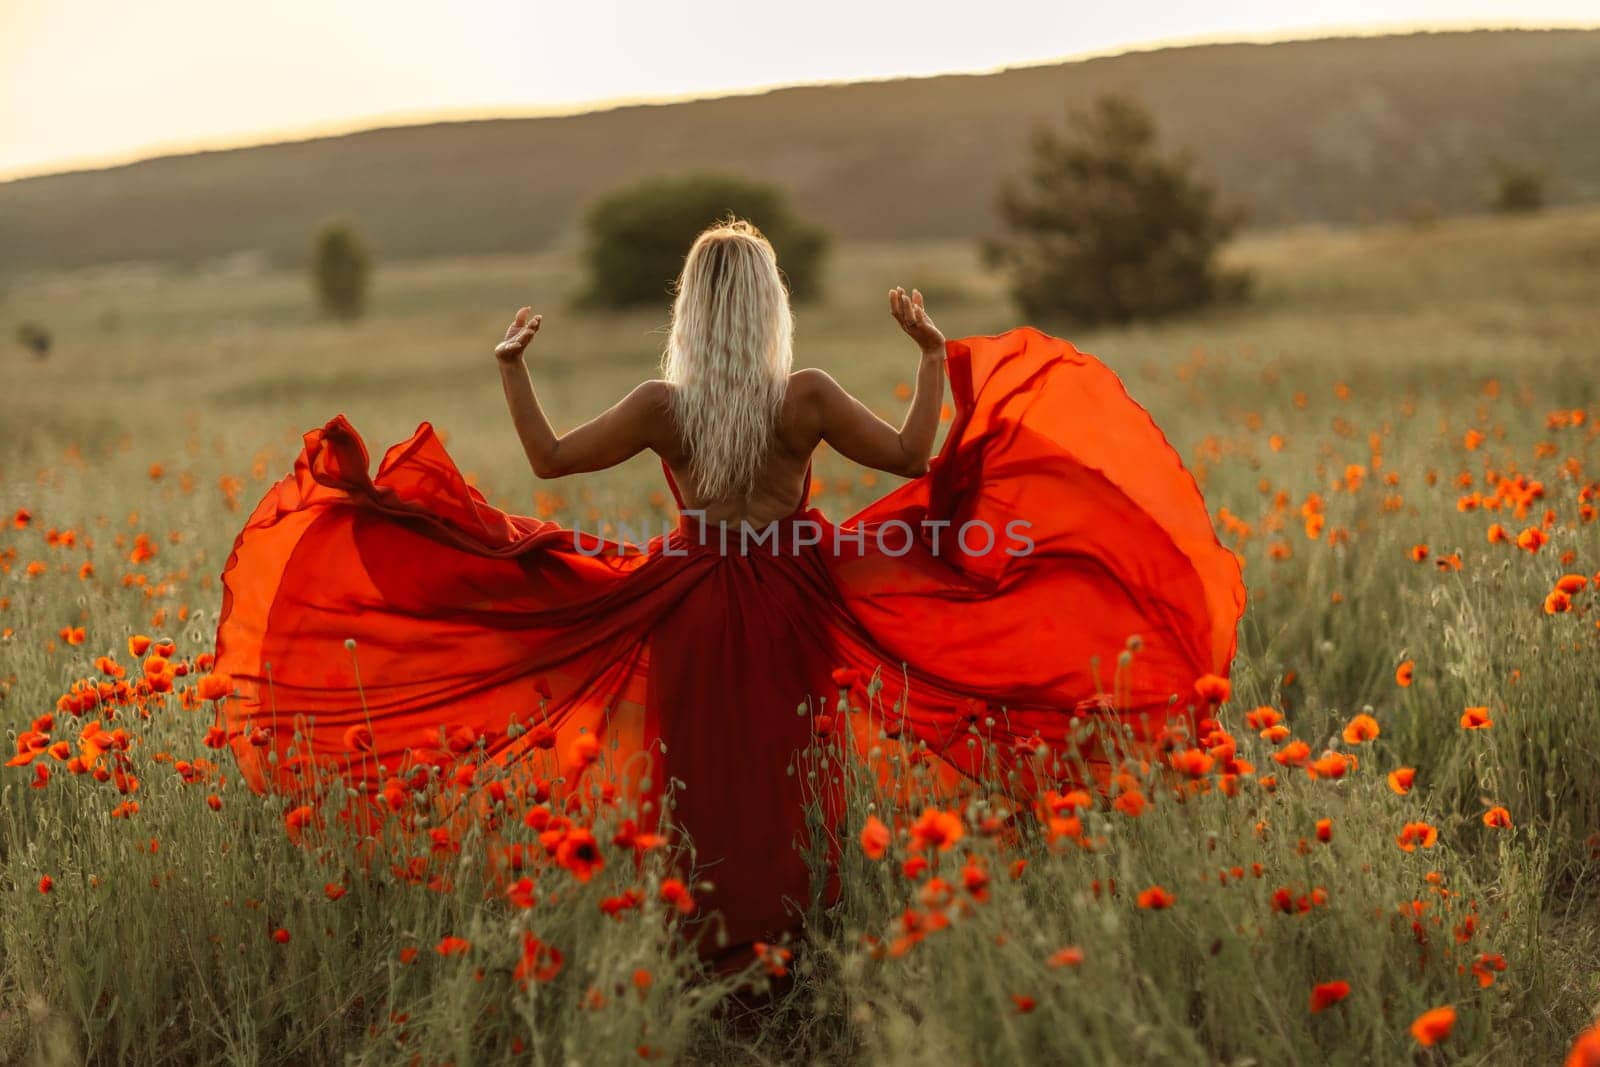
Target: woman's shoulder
(804, 403)
(651, 399)
(655, 391)
(810, 379)
(810, 388)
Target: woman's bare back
(780, 484)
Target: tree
(1106, 229)
(638, 236)
(341, 267)
(1518, 190)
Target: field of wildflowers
(1380, 848)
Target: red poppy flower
(579, 853)
(1497, 818)
(1586, 1049)
(1325, 995)
(1485, 967)
(521, 893)
(975, 879)
(615, 906)
(540, 961)
(1155, 899)
(1532, 539)
(674, 892)
(774, 957)
(296, 821)
(1191, 762)
(875, 838)
(358, 738)
(1213, 689)
(453, 946)
(1294, 754)
(1361, 729)
(1416, 833)
(1070, 956)
(215, 687)
(1263, 718)
(1131, 803)
(1434, 1025)
(936, 829)
(1331, 765)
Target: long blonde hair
(728, 354)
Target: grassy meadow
(1384, 852)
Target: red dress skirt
(1055, 523)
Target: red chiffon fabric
(688, 662)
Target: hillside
(1351, 129)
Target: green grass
(1399, 338)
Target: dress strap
(672, 484)
(805, 490)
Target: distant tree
(1106, 229)
(34, 338)
(1518, 190)
(638, 236)
(341, 268)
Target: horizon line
(444, 116)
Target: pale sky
(91, 82)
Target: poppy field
(1379, 844)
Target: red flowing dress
(688, 662)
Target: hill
(1349, 129)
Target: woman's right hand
(518, 334)
(913, 319)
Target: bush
(34, 338)
(1105, 229)
(341, 268)
(638, 236)
(1518, 190)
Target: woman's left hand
(518, 334)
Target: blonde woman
(700, 685)
(734, 424)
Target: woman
(997, 589)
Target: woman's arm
(852, 429)
(628, 427)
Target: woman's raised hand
(913, 319)
(518, 334)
